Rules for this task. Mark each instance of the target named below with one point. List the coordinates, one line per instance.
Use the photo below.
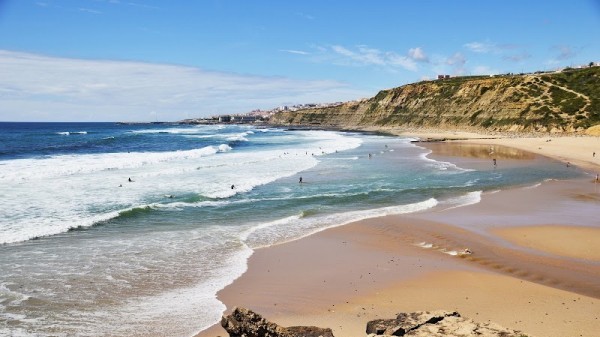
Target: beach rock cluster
(436, 324)
(246, 323)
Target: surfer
(130, 180)
(232, 187)
(300, 181)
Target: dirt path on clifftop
(578, 94)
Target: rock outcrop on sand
(246, 323)
(436, 324)
(562, 101)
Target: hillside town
(256, 116)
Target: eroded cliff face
(567, 101)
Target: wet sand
(581, 150)
(343, 277)
(571, 241)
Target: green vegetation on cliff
(567, 101)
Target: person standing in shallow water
(300, 180)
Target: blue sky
(120, 60)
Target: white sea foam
(292, 228)
(168, 130)
(470, 198)
(68, 133)
(280, 222)
(11, 298)
(180, 312)
(450, 252)
(425, 245)
(234, 136)
(224, 148)
(69, 191)
(238, 136)
(532, 186)
(22, 170)
(443, 165)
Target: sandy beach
(535, 261)
(581, 150)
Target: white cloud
(564, 52)
(457, 61)
(402, 61)
(343, 51)
(292, 51)
(481, 47)
(88, 10)
(418, 54)
(484, 70)
(366, 56)
(305, 16)
(42, 88)
(517, 57)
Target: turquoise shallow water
(88, 253)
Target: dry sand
(343, 277)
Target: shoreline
(576, 149)
(344, 276)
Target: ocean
(114, 230)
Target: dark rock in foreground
(246, 323)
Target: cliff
(567, 101)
